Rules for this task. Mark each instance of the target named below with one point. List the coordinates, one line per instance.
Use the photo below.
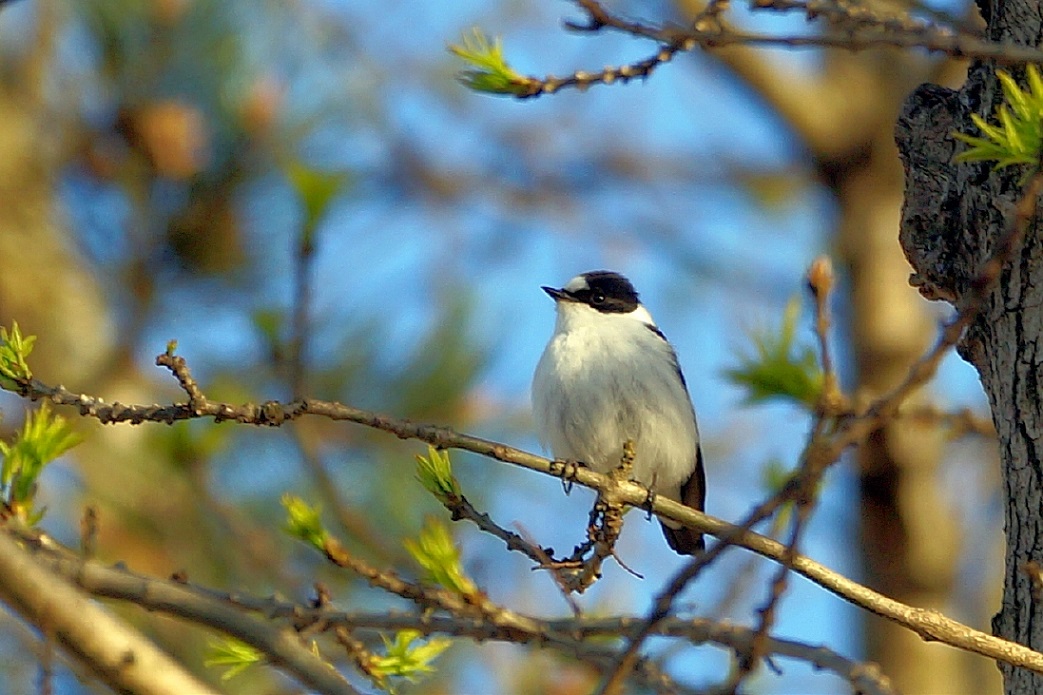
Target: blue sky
(710, 259)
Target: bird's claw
(567, 471)
(649, 503)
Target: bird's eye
(597, 298)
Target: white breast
(607, 378)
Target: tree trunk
(952, 218)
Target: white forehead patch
(576, 284)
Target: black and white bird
(608, 375)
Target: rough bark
(952, 217)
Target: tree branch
(281, 646)
(846, 28)
(929, 624)
(582, 637)
(118, 655)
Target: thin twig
(460, 507)
(664, 600)
(821, 283)
(758, 647)
(928, 624)
(853, 29)
(970, 306)
(582, 637)
(548, 562)
(424, 596)
(362, 657)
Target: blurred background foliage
(168, 167)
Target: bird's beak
(557, 295)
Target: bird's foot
(566, 469)
(649, 502)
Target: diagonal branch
(929, 624)
(819, 455)
(119, 656)
(282, 647)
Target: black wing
(686, 541)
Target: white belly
(586, 409)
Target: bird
(608, 375)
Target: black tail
(683, 540)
